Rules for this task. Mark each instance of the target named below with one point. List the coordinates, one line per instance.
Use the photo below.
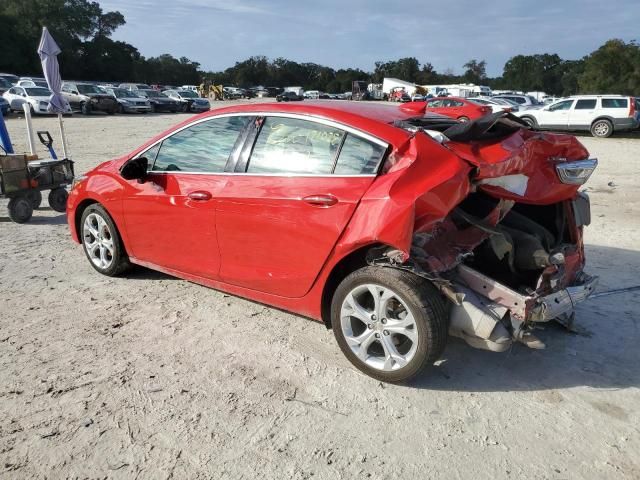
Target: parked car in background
(32, 82)
(130, 101)
(134, 86)
(87, 98)
(159, 102)
(602, 115)
(4, 85)
(523, 101)
(456, 107)
(9, 77)
(395, 251)
(4, 106)
(36, 97)
(189, 100)
(496, 104)
(289, 97)
(193, 88)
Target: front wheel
(602, 129)
(58, 199)
(529, 121)
(85, 108)
(463, 119)
(390, 324)
(101, 242)
(35, 197)
(20, 209)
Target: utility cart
(22, 181)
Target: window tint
(358, 156)
(614, 103)
(586, 104)
(204, 147)
(565, 105)
(289, 145)
(434, 104)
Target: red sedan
(393, 227)
(458, 108)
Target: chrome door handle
(200, 196)
(320, 200)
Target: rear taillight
(632, 107)
(578, 172)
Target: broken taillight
(578, 172)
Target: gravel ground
(147, 376)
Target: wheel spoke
(360, 344)
(392, 358)
(356, 310)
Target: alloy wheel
(601, 129)
(378, 327)
(98, 241)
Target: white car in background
(496, 104)
(36, 97)
(32, 82)
(602, 115)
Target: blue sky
(344, 33)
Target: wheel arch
(82, 206)
(604, 117)
(348, 263)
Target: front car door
(17, 98)
(170, 218)
(556, 115)
(294, 191)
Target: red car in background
(394, 227)
(459, 108)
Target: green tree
(475, 71)
(613, 68)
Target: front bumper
(200, 108)
(136, 108)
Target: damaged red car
(394, 227)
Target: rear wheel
(101, 242)
(20, 209)
(602, 128)
(58, 199)
(529, 121)
(390, 324)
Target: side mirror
(135, 169)
(75, 92)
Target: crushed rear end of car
(490, 212)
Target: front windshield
(188, 94)
(37, 92)
(88, 89)
(122, 93)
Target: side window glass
(566, 105)
(292, 146)
(614, 103)
(358, 157)
(586, 104)
(151, 155)
(204, 147)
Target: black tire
(20, 209)
(423, 300)
(119, 260)
(185, 108)
(35, 197)
(120, 109)
(602, 128)
(174, 110)
(530, 121)
(58, 199)
(85, 108)
(153, 108)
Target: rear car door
(295, 189)
(582, 114)
(170, 218)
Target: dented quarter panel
(525, 152)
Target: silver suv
(524, 101)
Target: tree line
(83, 32)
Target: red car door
(170, 218)
(280, 216)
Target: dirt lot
(147, 376)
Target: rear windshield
(614, 103)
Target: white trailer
(297, 90)
(389, 84)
